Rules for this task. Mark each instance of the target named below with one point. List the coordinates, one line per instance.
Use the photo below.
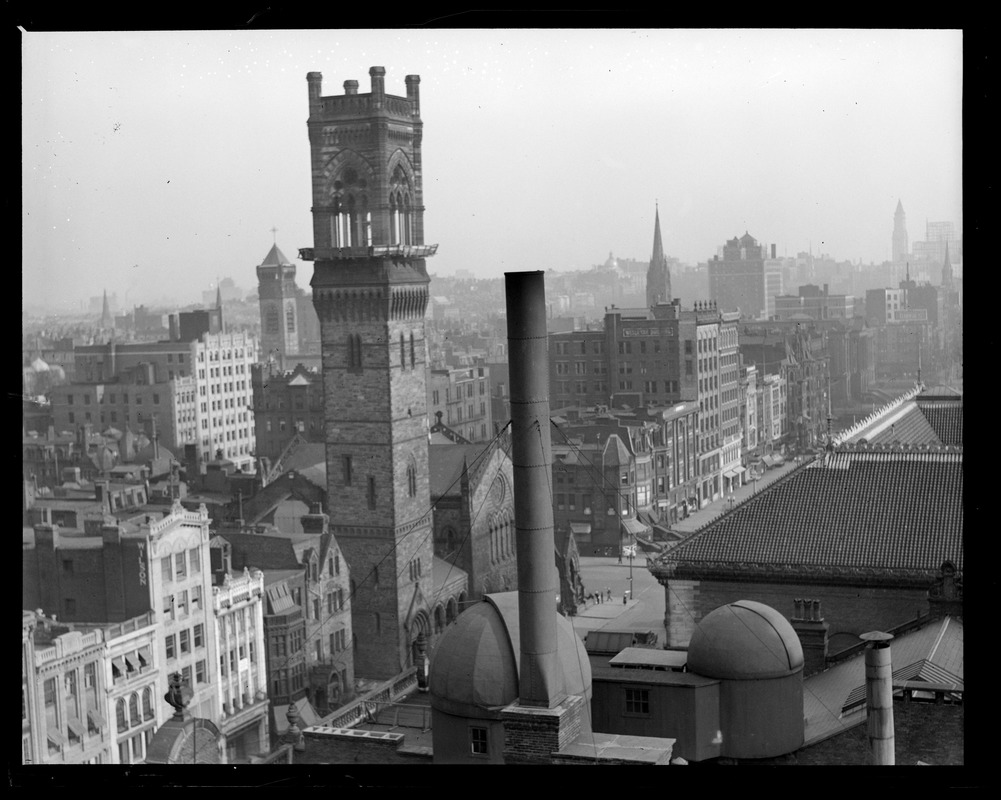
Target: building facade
(286, 403)
(462, 396)
(737, 276)
(220, 365)
(238, 606)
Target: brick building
(286, 403)
(220, 365)
(113, 570)
(864, 530)
(462, 396)
(135, 400)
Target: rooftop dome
(474, 667)
(745, 640)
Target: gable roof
(870, 516)
(933, 653)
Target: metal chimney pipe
(879, 697)
(540, 681)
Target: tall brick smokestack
(879, 698)
(541, 680)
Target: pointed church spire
(218, 295)
(658, 277)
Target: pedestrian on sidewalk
(609, 591)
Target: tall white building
(238, 605)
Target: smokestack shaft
(540, 682)
(879, 703)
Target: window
(170, 644)
(180, 570)
(185, 641)
(478, 741)
(69, 606)
(182, 602)
(121, 719)
(411, 481)
(346, 467)
(194, 561)
(371, 492)
(186, 676)
(199, 635)
(134, 716)
(637, 701)
(413, 358)
(200, 671)
(67, 567)
(196, 598)
(316, 608)
(147, 703)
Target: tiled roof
(910, 427)
(946, 419)
(885, 514)
(933, 653)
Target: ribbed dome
(474, 667)
(745, 640)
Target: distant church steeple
(900, 242)
(658, 277)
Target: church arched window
(272, 321)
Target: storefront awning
(76, 726)
(119, 664)
(635, 528)
(96, 718)
(767, 461)
(739, 470)
(131, 662)
(730, 474)
(145, 658)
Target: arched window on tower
(403, 353)
(413, 356)
(290, 319)
(411, 481)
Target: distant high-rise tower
(106, 320)
(279, 318)
(370, 291)
(900, 243)
(658, 276)
(947, 269)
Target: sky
(154, 163)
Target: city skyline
(547, 149)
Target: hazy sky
(155, 162)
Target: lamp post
(631, 551)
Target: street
(644, 612)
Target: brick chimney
(315, 521)
(808, 622)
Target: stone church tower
(658, 276)
(370, 291)
(279, 316)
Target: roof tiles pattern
(900, 511)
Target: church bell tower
(370, 291)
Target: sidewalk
(706, 515)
